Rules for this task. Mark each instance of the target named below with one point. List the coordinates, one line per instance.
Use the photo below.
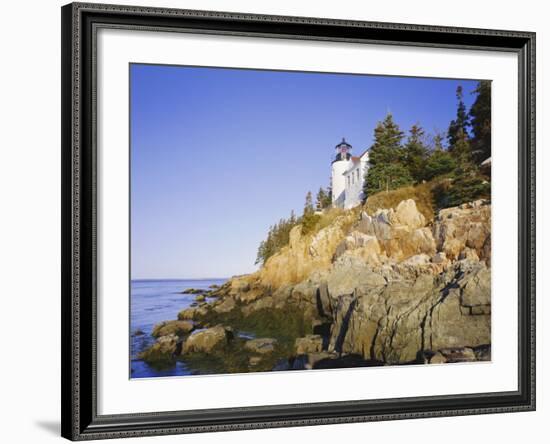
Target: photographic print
(286, 221)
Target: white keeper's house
(348, 176)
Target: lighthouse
(348, 176)
(340, 164)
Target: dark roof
(343, 142)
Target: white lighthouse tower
(340, 164)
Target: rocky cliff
(387, 288)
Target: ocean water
(153, 301)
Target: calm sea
(153, 301)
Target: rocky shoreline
(389, 288)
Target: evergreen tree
(459, 125)
(309, 219)
(480, 117)
(468, 185)
(308, 206)
(329, 196)
(461, 150)
(387, 159)
(438, 142)
(320, 199)
(277, 237)
(387, 142)
(439, 163)
(416, 153)
(323, 199)
(292, 219)
(387, 177)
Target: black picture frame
(80, 22)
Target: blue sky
(218, 155)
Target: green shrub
(463, 189)
(439, 163)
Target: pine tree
(438, 142)
(387, 159)
(309, 219)
(329, 196)
(416, 153)
(323, 199)
(480, 117)
(439, 163)
(320, 199)
(308, 206)
(387, 142)
(292, 219)
(462, 150)
(460, 124)
(385, 177)
(277, 237)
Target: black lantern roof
(343, 143)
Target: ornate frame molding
(80, 22)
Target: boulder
(468, 225)
(463, 354)
(262, 303)
(361, 245)
(239, 284)
(476, 287)
(192, 291)
(207, 340)
(451, 323)
(281, 295)
(225, 305)
(419, 241)
(305, 291)
(161, 351)
(438, 358)
(382, 224)
(261, 345)
(308, 344)
(350, 273)
(178, 328)
(251, 295)
(407, 214)
(193, 313)
(399, 233)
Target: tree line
(279, 234)
(397, 160)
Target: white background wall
(30, 232)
